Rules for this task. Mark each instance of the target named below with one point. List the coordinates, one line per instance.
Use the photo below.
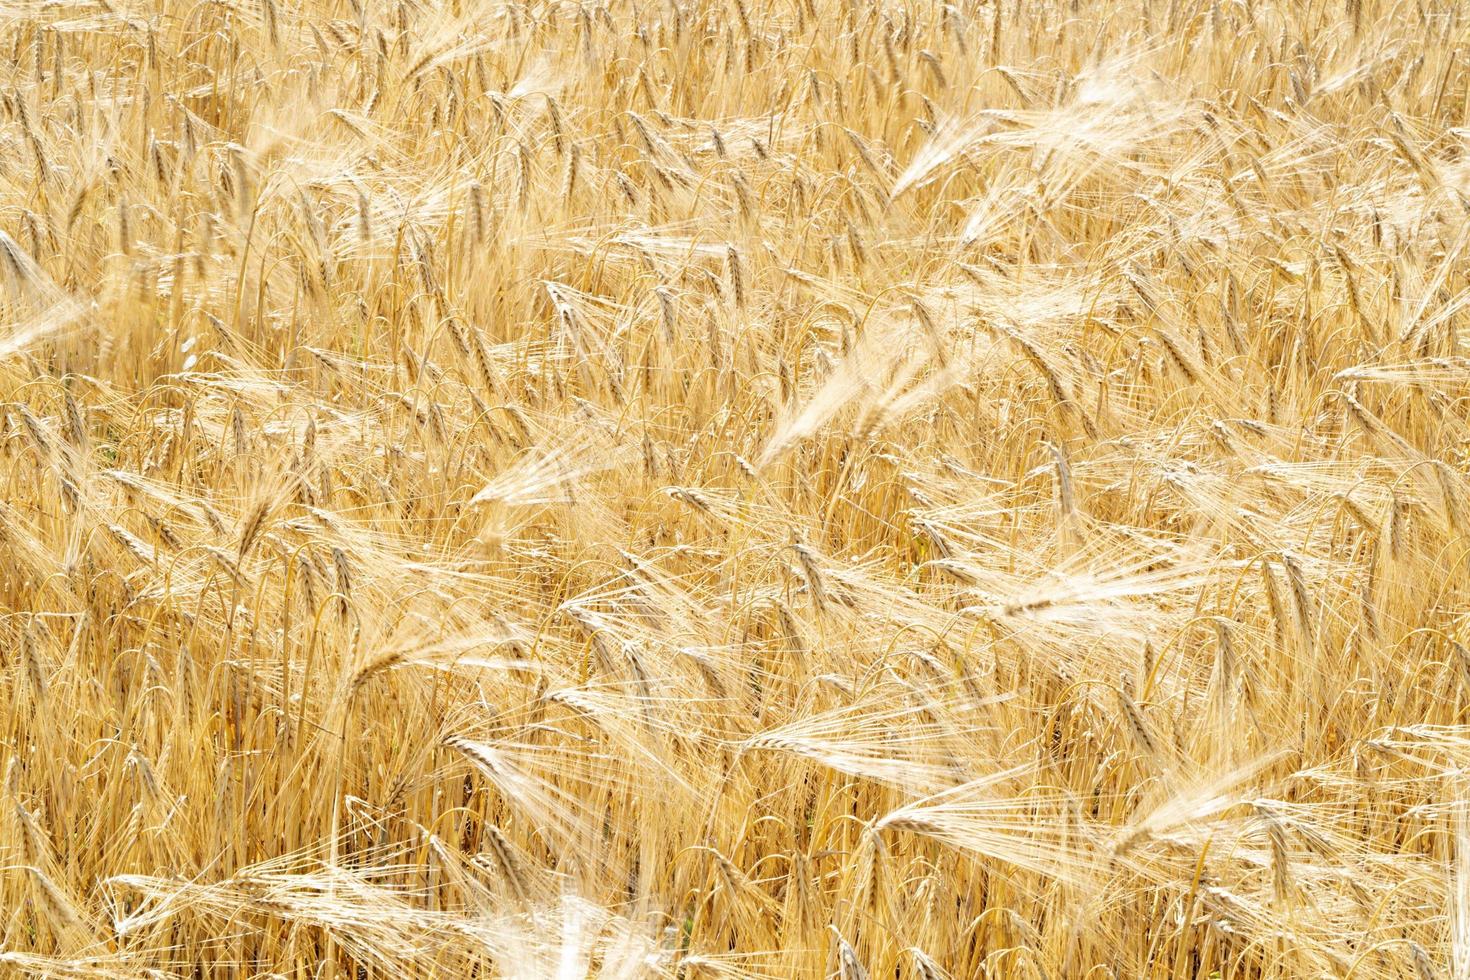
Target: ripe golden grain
(420, 422)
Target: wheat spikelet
(35, 847)
(736, 275)
(76, 425)
(1281, 876)
(816, 583)
(510, 864)
(62, 913)
(36, 430)
(1137, 727)
(849, 967)
(1301, 599)
(132, 543)
(252, 524)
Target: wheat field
(703, 488)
